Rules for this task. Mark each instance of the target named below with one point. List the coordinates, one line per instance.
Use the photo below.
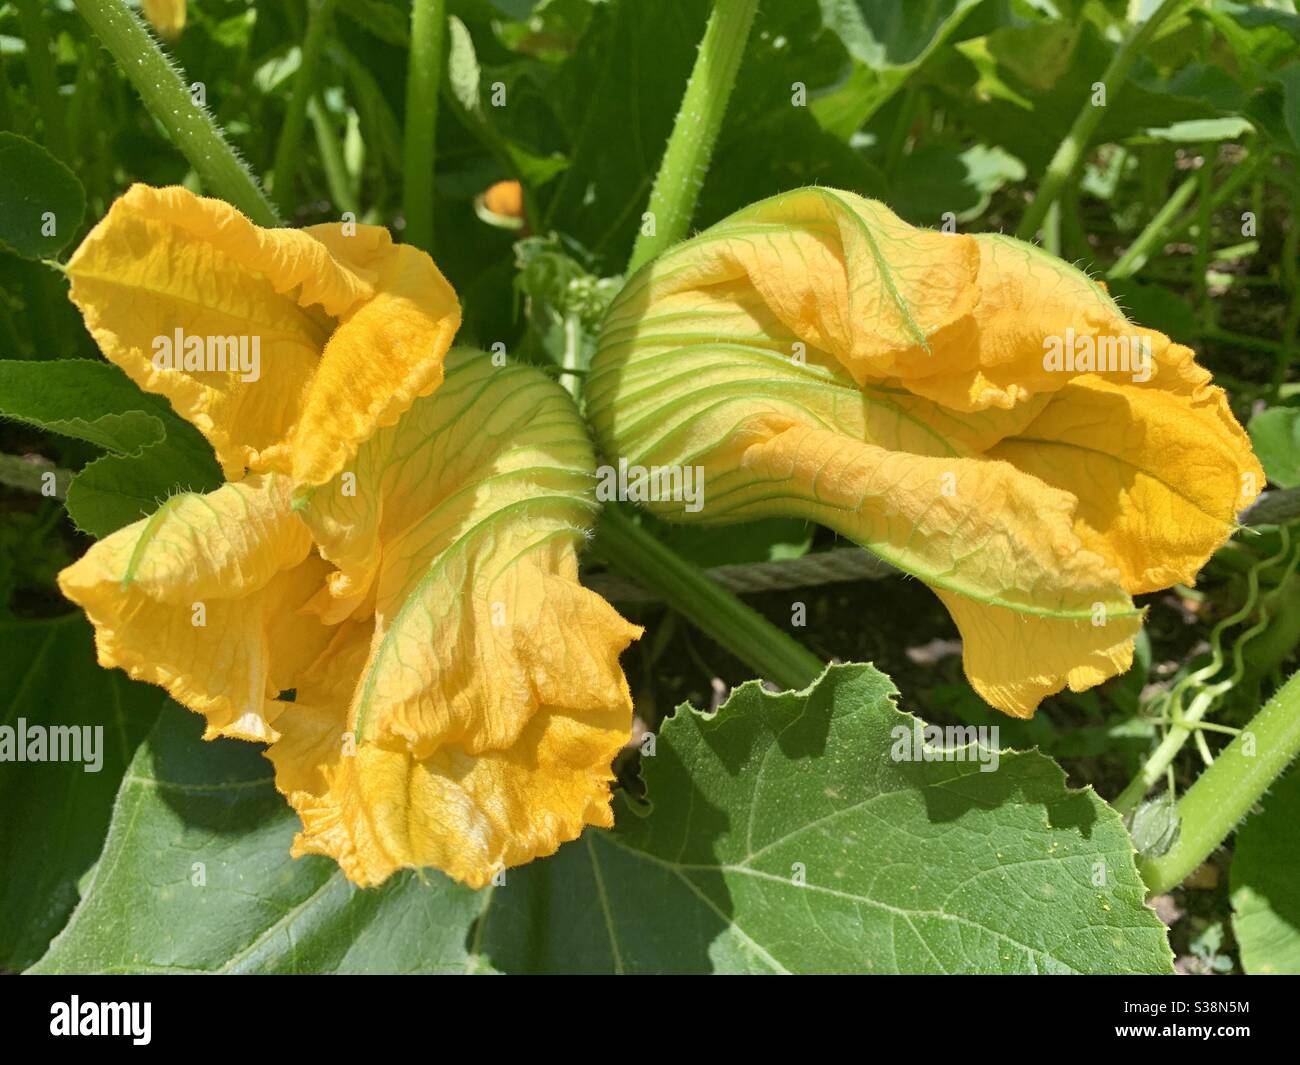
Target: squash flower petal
(476, 680)
(971, 409)
(285, 348)
(202, 598)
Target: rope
(822, 567)
(842, 564)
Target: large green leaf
(196, 878)
(152, 452)
(938, 178)
(83, 399)
(1021, 86)
(618, 95)
(55, 814)
(1276, 436)
(792, 58)
(41, 200)
(908, 866)
(887, 42)
(1289, 78)
(1266, 884)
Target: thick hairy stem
(690, 147)
(168, 98)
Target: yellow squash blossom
(970, 408)
(165, 16)
(285, 348)
(391, 598)
(483, 685)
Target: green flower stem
(288, 147)
(902, 130)
(44, 77)
(428, 24)
(743, 631)
(168, 98)
(1052, 230)
(1205, 235)
(1226, 791)
(1071, 150)
(695, 130)
(1244, 340)
(331, 155)
(1238, 176)
(1074, 238)
(1154, 236)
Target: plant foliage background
(1187, 203)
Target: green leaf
(41, 200)
(1276, 436)
(196, 878)
(116, 490)
(788, 47)
(888, 42)
(1266, 884)
(1289, 79)
(745, 169)
(1200, 130)
(86, 400)
(463, 72)
(1157, 306)
(1031, 80)
(885, 36)
(56, 812)
(1273, 508)
(153, 453)
(31, 553)
(938, 178)
(907, 866)
(617, 97)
